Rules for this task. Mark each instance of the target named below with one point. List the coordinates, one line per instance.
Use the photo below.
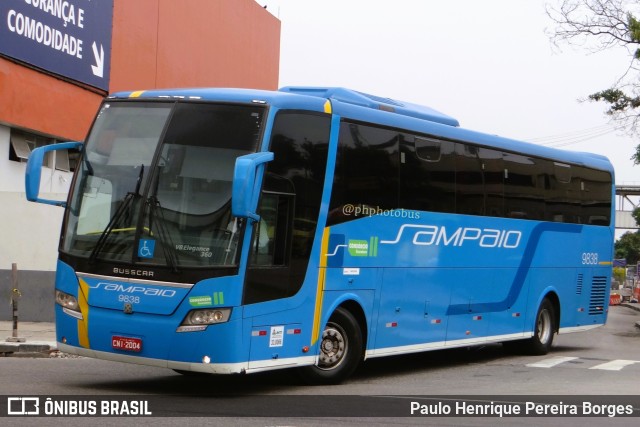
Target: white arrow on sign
(98, 69)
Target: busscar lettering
(133, 272)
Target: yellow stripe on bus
(83, 305)
(320, 291)
(136, 94)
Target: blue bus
(233, 231)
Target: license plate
(126, 343)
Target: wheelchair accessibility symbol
(146, 248)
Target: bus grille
(598, 292)
(579, 285)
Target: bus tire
(544, 329)
(340, 351)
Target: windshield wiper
(164, 236)
(115, 219)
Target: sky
(488, 63)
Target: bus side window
(271, 237)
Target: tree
(600, 25)
(636, 215)
(628, 247)
(620, 274)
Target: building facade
(59, 58)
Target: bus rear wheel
(544, 331)
(340, 350)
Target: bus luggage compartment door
(275, 345)
(413, 302)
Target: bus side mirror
(245, 190)
(34, 171)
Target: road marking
(615, 365)
(550, 363)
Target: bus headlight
(198, 320)
(66, 300)
(69, 304)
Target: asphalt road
(602, 364)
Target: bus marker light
(436, 321)
(63, 340)
(516, 315)
(206, 359)
(72, 313)
(392, 324)
(477, 317)
(191, 328)
(295, 331)
(305, 349)
(468, 333)
(581, 310)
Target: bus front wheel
(340, 350)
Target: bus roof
(370, 108)
(280, 97)
(353, 97)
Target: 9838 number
(589, 258)
(129, 298)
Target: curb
(36, 349)
(635, 306)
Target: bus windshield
(154, 184)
